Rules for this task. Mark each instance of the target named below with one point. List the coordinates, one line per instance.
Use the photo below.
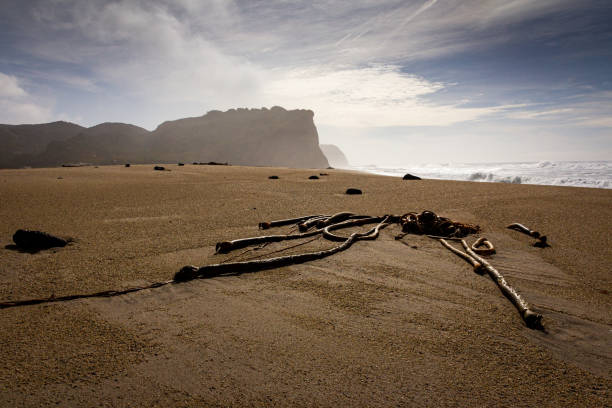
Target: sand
(385, 323)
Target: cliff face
(259, 137)
(335, 156)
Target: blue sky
(391, 82)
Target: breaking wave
(594, 174)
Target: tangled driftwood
(424, 223)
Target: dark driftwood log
(532, 319)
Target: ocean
(594, 174)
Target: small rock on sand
(36, 240)
(409, 176)
(353, 191)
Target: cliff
(258, 137)
(335, 156)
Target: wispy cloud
(379, 95)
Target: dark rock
(37, 240)
(273, 177)
(313, 178)
(127, 164)
(160, 168)
(212, 163)
(181, 164)
(323, 174)
(353, 191)
(195, 163)
(409, 176)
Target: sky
(391, 82)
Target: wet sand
(385, 323)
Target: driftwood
(289, 221)
(532, 319)
(541, 240)
(488, 249)
(227, 246)
(475, 264)
(192, 272)
(426, 223)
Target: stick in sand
(532, 319)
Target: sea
(593, 174)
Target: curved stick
(227, 246)
(349, 223)
(192, 272)
(541, 240)
(488, 250)
(521, 228)
(532, 319)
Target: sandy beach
(384, 323)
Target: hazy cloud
(17, 106)
(9, 87)
(367, 97)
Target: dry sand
(385, 323)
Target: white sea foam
(595, 174)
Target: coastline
(380, 324)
